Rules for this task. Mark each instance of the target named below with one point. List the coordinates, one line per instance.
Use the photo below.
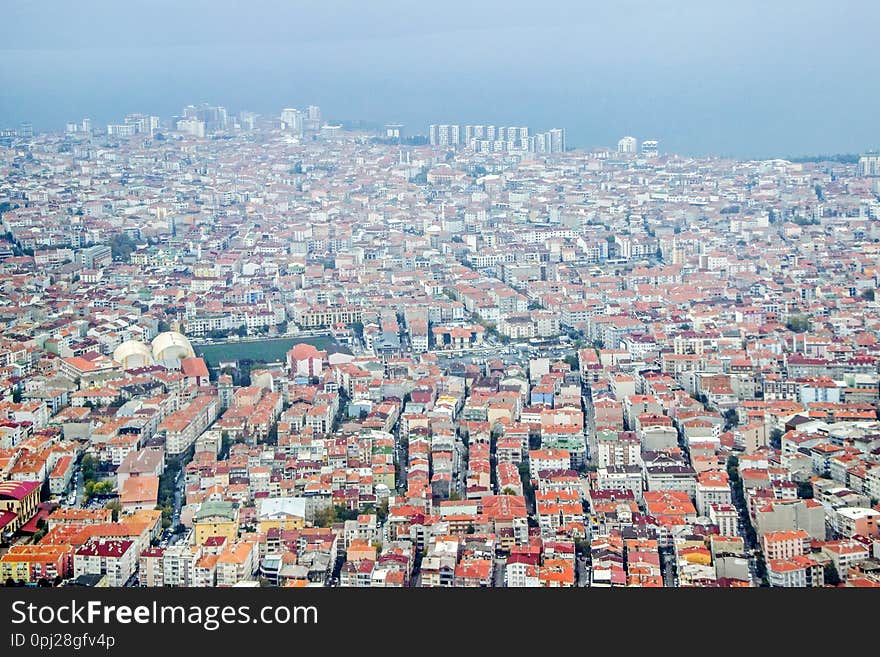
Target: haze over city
(745, 79)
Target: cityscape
(252, 350)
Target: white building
(650, 148)
(627, 145)
(111, 557)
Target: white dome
(133, 354)
(171, 347)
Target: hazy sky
(744, 78)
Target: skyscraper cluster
(202, 120)
(630, 146)
(299, 121)
(491, 138)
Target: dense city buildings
(240, 349)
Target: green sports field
(259, 351)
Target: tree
(868, 295)
(733, 469)
(805, 490)
(572, 361)
(798, 323)
(508, 491)
(805, 221)
(93, 488)
(88, 466)
(382, 511)
(454, 497)
(121, 246)
(225, 444)
(528, 488)
(731, 418)
(761, 570)
(116, 507)
(776, 438)
(325, 517)
(16, 396)
(832, 577)
(241, 331)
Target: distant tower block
(650, 148)
(869, 165)
(627, 145)
(394, 130)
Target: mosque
(168, 349)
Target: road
(582, 571)
(179, 498)
(459, 476)
(498, 573)
(667, 564)
(80, 487)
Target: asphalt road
(498, 573)
(582, 571)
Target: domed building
(170, 348)
(133, 354)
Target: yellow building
(30, 563)
(216, 519)
(18, 504)
(696, 555)
(384, 474)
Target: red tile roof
(17, 490)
